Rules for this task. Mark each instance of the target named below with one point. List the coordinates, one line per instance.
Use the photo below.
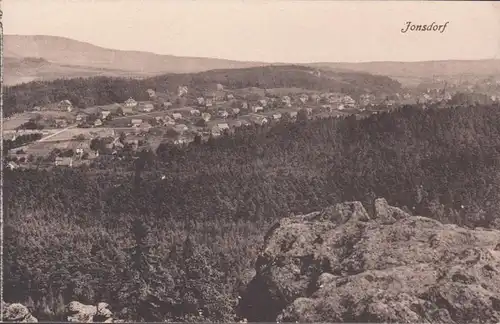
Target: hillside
(105, 90)
(409, 71)
(206, 208)
(70, 58)
(84, 58)
(23, 70)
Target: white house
(223, 113)
(105, 113)
(195, 112)
(176, 116)
(257, 109)
(130, 102)
(98, 122)
(146, 107)
(206, 116)
(182, 91)
(65, 105)
(136, 122)
(277, 116)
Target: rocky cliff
(341, 265)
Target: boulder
(78, 312)
(17, 313)
(340, 265)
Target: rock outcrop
(81, 313)
(341, 265)
(17, 313)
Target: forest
(87, 92)
(173, 235)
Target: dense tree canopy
(204, 208)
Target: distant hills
(38, 57)
(65, 57)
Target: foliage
(68, 230)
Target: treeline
(20, 140)
(85, 92)
(69, 229)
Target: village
(72, 136)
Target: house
(348, 101)
(293, 114)
(12, 165)
(146, 107)
(97, 122)
(315, 98)
(258, 119)
(223, 126)
(65, 105)
(308, 110)
(176, 116)
(151, 93)
(230, 96)
(136, 122)
(263, 102)
(216, 131)
(206, 116)
(81, 117)
(304, 98)
(181, 140)
(235, 111)
(105, 114)
(219, 87)
(130, 103)
(181, 128)
(64, 161)
(244, 105)
(277, 116)
(257, 109)
(182, 91)
(167, 104)
(223, 113)
(286, 101)
(200, 101)
(208, 103)
(194, 112)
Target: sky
(270, 31)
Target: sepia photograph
(231, 161)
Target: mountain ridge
(69, 58)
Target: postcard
(250, 161)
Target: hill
(71, 56)
(68, 231)
(105, 90)
(411, 72)
(28, 69)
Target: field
(11, 123)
